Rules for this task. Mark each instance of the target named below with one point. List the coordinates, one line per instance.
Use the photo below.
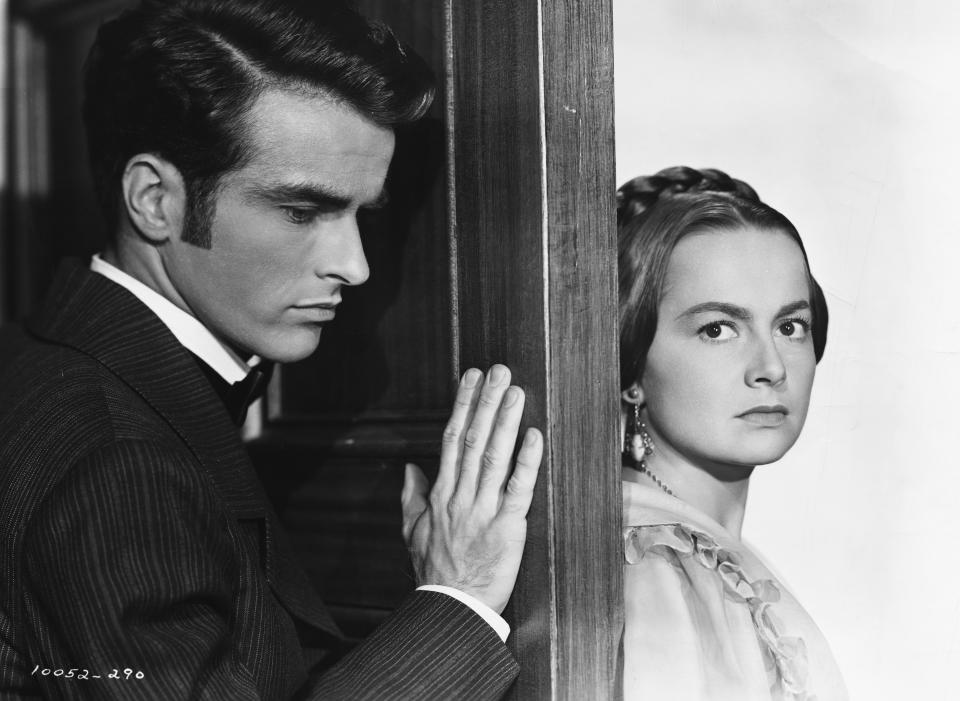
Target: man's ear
(154, 197)
(633, 394)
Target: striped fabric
(140, 558)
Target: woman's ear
(154, 197)
(633, 394)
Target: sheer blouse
(706, 619)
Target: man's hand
(470, 531)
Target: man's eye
(794, 329)
(717, 331)
(300, 215)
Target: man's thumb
(413, 498)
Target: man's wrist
(495, 620)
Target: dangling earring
(641, 447)
(641, 444)
(630, 429)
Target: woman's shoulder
(700, 604)
(668, 544)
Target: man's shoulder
(62, 409)
(59, 403)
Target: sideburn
(198, 218)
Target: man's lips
(765, 415)
(318, 311)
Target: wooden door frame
(533, 241)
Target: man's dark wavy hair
(176, 78)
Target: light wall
(844, 115)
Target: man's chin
(291, 347)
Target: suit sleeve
(129, 565)
(432, 647)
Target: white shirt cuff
(495, 621)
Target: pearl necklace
(642, 467)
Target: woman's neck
(719, 491)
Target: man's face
(284, 230)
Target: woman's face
(727, 379)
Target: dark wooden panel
(337, 491)
(535, 236)
(343, 517)
(387, 355)
(498, 233)
(54, 213)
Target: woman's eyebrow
(797, 306)
(733, 310)
(741, 313)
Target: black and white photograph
(440, 350)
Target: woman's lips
(771, 416)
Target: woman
(721, 327)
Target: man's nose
(766, 367)
(340, 253)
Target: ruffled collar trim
(656, 521)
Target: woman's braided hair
(653, 213)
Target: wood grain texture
(387, 354)
(499, 243)
(536, 272)
(583, 317)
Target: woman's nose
(766, 366)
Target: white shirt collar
(193, 335)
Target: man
(233, 144)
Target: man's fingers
(413, 498)
(478, 432)
(519, 491)
(468, 392)
(495, 465)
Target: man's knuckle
(451, 433)
(491, 459)
(524, 465)
(473, 438)
(516, 488)
(453, 508)
(489, 400)
(436, 500)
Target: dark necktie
(238, 397)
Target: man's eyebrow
(316, 195)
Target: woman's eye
(794, 329)
(717, 331)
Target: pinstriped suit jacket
(134, 536)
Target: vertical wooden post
(530, 107)
(5, 195)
